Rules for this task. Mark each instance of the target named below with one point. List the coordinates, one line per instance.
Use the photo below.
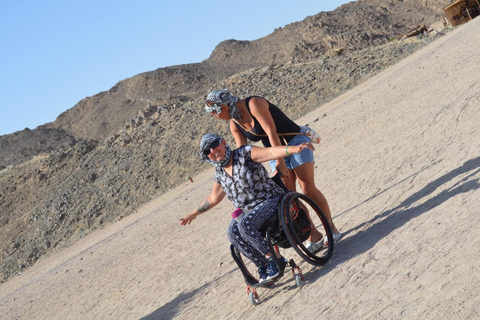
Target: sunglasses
(209, 102)
(212, 145)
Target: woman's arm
(259, 109)
(240, 139)
(259, 154)
(211, 201)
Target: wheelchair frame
(284, 230)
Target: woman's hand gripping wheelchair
(297, 214)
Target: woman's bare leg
(305, 176)
(291, 184)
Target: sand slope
(400, 165)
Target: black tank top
(283, 124)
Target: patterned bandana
(218, 98)
(207, 140)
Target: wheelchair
(288, 230)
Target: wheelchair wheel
(300, 216)
(247, 267)
(244, 266)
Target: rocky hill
(21, 146)
(121, 148)
(351, 27)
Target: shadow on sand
(170, 309)
(396, 217)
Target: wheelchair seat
(300, 224)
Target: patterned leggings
(245, 235)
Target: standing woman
(256, 119)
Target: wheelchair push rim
(290, 200)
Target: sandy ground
(400, 165)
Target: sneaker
(263, 272)
(272, 269)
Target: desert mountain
(103, 158)
(353, 26)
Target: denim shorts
(296, 160)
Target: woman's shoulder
(255, 99)
(244, 152)
(244, 149)
(257, 104)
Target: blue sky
(55, 53)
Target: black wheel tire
(292, 236)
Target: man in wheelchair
(240, 176)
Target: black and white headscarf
(205, 143)
(249, 184)
(219, 98)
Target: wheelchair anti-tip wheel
(299, 280)
(253, 296)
